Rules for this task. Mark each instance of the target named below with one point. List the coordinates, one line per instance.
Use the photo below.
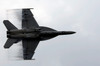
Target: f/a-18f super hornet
(30, 34)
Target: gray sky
(80, 49)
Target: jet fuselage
(36, 33)
(30, 34)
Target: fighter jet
(30, 34)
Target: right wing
(28, 21)
(29, 46)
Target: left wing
(29, 46)
(28, 21)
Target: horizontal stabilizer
(9, 25)
(9, 43)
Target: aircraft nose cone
(68, 32)
(72, 32)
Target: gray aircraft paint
(30, 34)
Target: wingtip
(6, 47)
(27, 8)
(5, 21)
